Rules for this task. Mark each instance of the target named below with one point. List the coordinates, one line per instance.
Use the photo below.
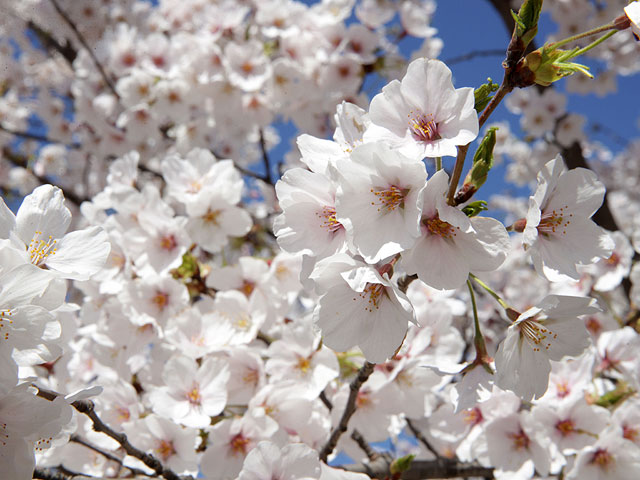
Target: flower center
(165, 449)
(168, 242)
(328, 220)
(473, 416)
(537, 334)
(554, 222)
(389, 198)
(630, 433)
(161, 300)
(563, 389)
(194, 395)
(239, 444)
(304, 364)
(520, 440)
(440, 227)
(39, 249)
(372, 293)
(565, 427)
(423, 127)
(602, 458)
(211, 216)
(4, 322)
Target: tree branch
(349, 410)
(52, 45)
(84, 43)
(87, 407)
(265, 159)
(39, 138)
(21, 161)
(418, 434)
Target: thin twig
(84, 43)
(364, 446)
(39, 138)
(51, 44)
(87, 407)
(418, 434)
(21, 161)
(349, 410)
(265, 159)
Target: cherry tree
(179, 299)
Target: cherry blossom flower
(364, 309)
(424, 116)
(559, 233)
(193, 394)
(378, 200)
(295, 461)
(633, 12)
(549, 331)
(451, 244)
(39, 230)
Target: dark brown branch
(418, 434)
(108, 455)
(52, 45)
(364, 445)
(84, 43)
(21, 161)
(349, 410)
(39, 138)
(423, 469)
(87, 407)
(54, 474)
(265, 159)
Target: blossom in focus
(295, 461)
(364, 309)
(424, 116)
(549, 331)
(39, 229)
(451, 244)
(633, 12)
(559, 233)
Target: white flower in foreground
(610, 457)
(451, 244)
(559, 232)
(27, 421)
(39, 229)
(295, 461)
(549, 331)
(424, 116)
(633, 12)
(193, 394)
(364, 309)
(28, 332)
(378, 200)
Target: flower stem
(438, 163)
(504, 88)
(588, 33)
(478, 339)
(594, 43)
(497, 297)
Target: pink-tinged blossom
(424, 116)
(451, 245)
(39, 227)
(633, 13)
(379, 200)
(172, 444)
(559, 232)
(364, 309)
(27, 422)
(514, 442)
(28, 333)
(308, 220)
(549, 331)
(611, 456)
(295, 461)
(192, 394)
